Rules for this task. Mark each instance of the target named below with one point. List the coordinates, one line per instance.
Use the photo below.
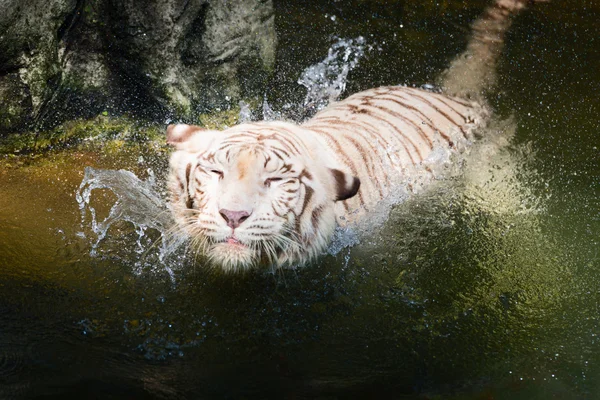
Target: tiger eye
(268, 181)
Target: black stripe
(400, 134)
(413, 111)
(403, 118)
(437, 109)
(189, 202)
(373, 131)
(369, 165)
(360, 147)
(342, 154)
(369, 129)
(405, 96)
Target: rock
(28, 56)
(15, 105)
(156, 59)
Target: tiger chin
(254, 194)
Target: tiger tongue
(232, 240)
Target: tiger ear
(180, 133)
(346, 185)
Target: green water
(468, 292)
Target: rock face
(154, 58)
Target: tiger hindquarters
(473, 72)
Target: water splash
(245, 114)
(326, 80)
(137, 202)
(343, 238)
(268, 113)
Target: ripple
(14, 358)
(11, 362)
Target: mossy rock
(103, 129)
(106, 132)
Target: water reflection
(486, 286)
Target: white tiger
(273, 192)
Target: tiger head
(255, 194)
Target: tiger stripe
(419, 115)
(427, 100)
(403, 120)
(408, 123)
(429, 120)
(348, 162)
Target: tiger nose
(234, 218)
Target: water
(138, 203)
(484, 287)
(326, 80)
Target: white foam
(326, 80)
(137, 202)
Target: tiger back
(390, 134)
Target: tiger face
(254, 194)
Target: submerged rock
(158, 59)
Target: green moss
(220, 119)
(104, 134)
(102, 129)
